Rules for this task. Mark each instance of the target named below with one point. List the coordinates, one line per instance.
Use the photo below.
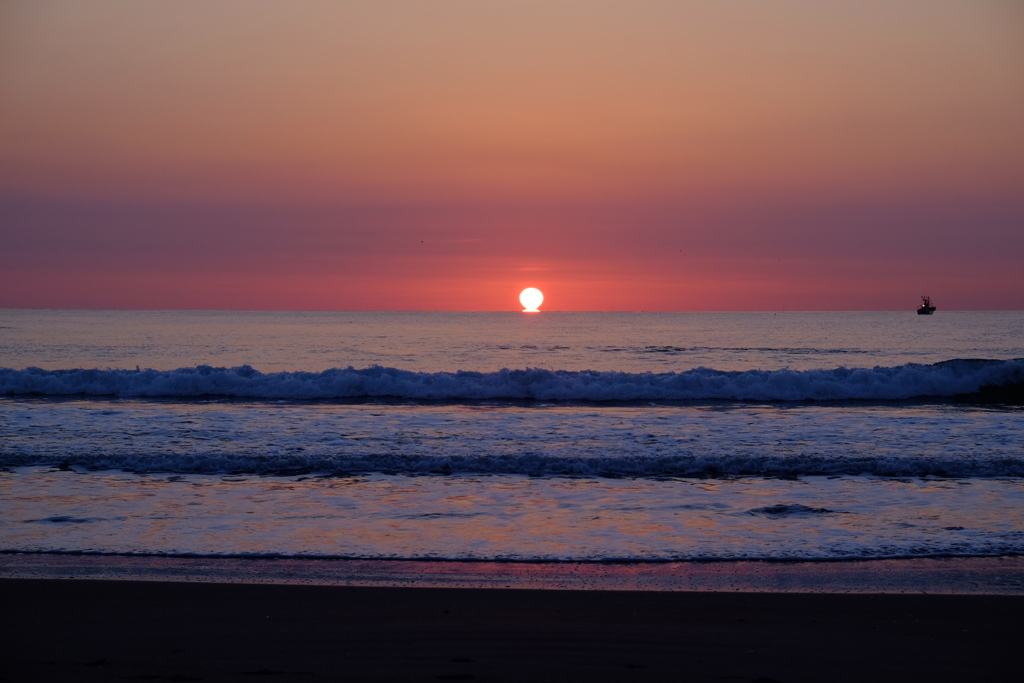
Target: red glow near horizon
(100, 256)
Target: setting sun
(531, 298)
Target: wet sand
(935, 576)
(88, 630)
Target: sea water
(511, 436)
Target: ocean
(550, 437)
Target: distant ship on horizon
(926, 307)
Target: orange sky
(397, 154)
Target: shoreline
(933, 576)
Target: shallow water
(512, 517)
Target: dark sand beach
(91, 630)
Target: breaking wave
(913, 380)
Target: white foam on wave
(949, 378)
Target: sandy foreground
(122, 630)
